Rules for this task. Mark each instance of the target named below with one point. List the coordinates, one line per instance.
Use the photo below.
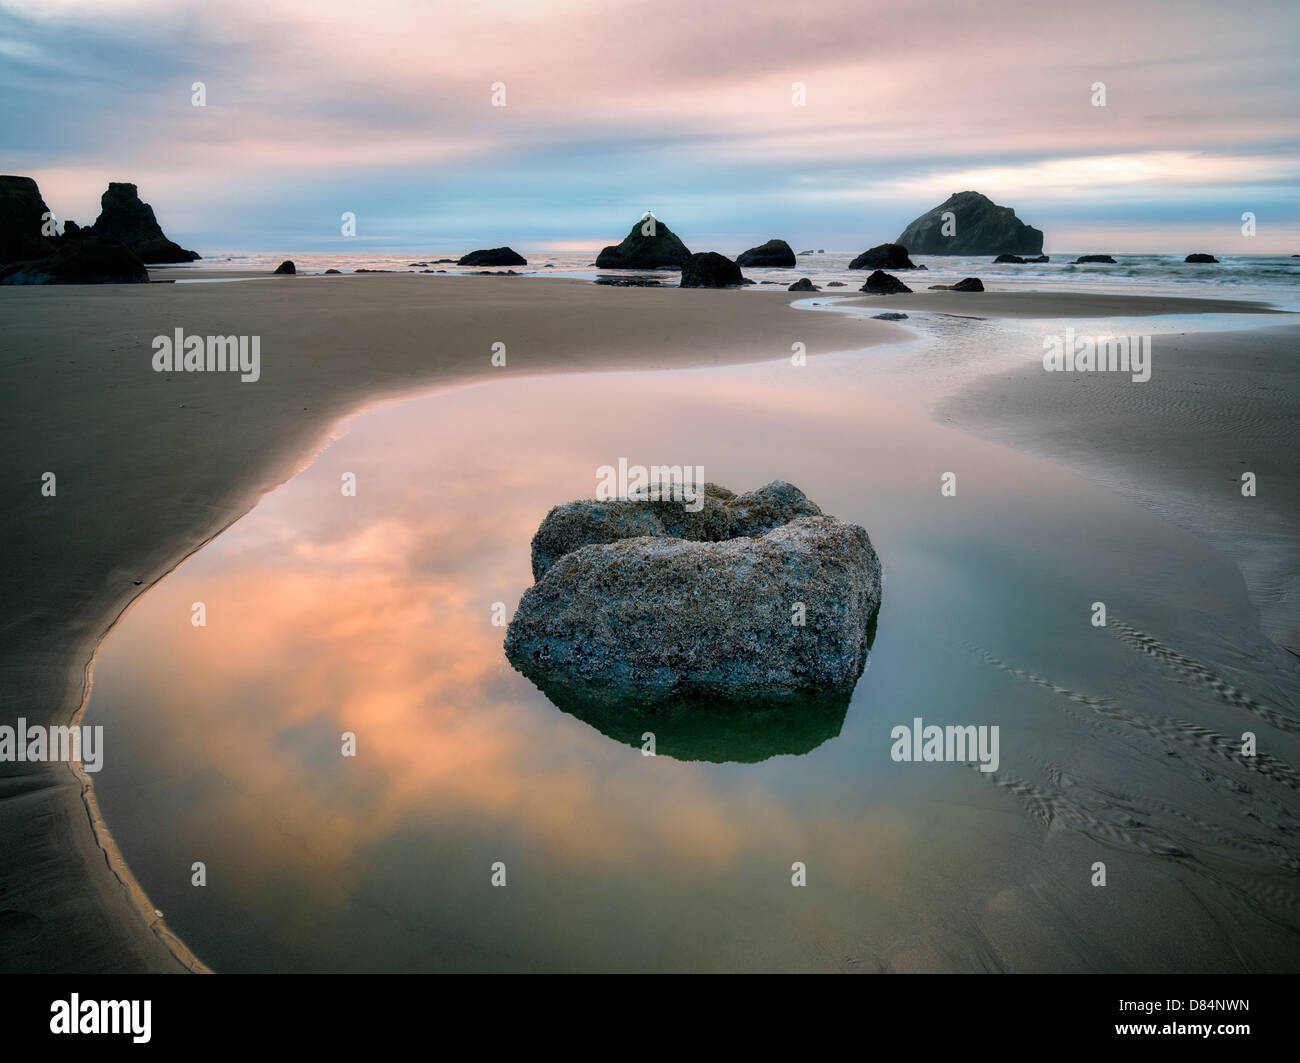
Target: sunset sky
(385, 109)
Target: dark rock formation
(336, 271)
(884, 256)
(775, 254)
(1011, 258)
(22, 219)
(709, 269)
(710, 612)
(1040, 258)
(980, 227)
(968, 284)
(639, 251)
(881, 283)
(1082, 259)
(85, 260)
(890, 316)
(493, 256)
(630, 282)
(835, 284)
(124, 217)
(287, 266)
(1200, 258)
(803, 284)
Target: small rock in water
(708, 269)
(882, 283)
(883, 256)
(803, 284)
(752, 597)
(890, 316)
(967, 284)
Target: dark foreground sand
(151, 466)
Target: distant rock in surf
(123, 216)
(1085, 259)
(967, 284)
(650, 245)
(708, 269)
(775, 254)
(803, 284)
(975, 225)
(883, 256)
(287, 267)
(630, 282)
(882, 283)
(1200, 258)
(1011, 258)
(493, 256)
(85, 260)
(889, 316)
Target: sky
(556, 123)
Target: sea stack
(775, 254)
(709, 269)
(884, 256)
(123, 216)
(493, 256)
(22, 220)
(650, 245)
(975, 226)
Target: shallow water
(373, 614)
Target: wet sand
(151, 466)
(992, 303)
(1217, 405)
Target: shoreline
(735, 339)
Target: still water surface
(373, 614)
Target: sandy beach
(151, 466)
